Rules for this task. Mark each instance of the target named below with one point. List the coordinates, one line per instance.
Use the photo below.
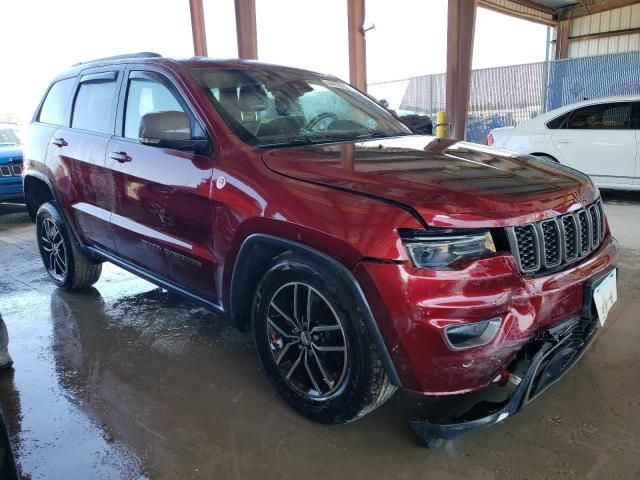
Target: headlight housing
(442, 249)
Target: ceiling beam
(489, 5)
(535, 6)
(586, 6)
(611, 33)
(596, 7)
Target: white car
(599, 137)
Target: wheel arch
(543, 154)
(37, 190)
(257, 255)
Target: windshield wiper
(386, 135)
(288, 143)
(328, 138)
(310, 140)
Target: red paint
(413, 307)
(161, 210)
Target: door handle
(121, 157)
(564, 140)
(59, 142)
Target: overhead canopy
(550, 12)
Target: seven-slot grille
(557, 241)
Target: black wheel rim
(307, 340)
(54, 251)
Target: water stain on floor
(129, 381)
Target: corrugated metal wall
(506, 96)
(618, 19)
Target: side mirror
(171, 130)
(384, 103)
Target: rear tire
(317, 354)
(68, 267)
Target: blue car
(10, 163)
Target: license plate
(605, 295)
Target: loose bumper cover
(542, 362)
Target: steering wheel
(311, 124)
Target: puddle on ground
(129, 381)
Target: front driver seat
(252, 100)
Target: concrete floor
(129, 381)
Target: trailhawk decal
(171, 253)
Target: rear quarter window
(558, 122)
(55, 103)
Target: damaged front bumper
(542, 362)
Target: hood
(447, 183)
(10, 152)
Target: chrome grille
(17, 170)
(558, 241)
(5, 171)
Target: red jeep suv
(363, 258)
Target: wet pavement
(129, 381)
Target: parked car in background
(363, 258)
(419, 123)
(599, 137)
(10, 163)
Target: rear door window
(95, 104)
(55, 104)
(605, 116)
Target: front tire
(314, 344)
(68, 267)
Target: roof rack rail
(122, 57)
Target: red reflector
(489, 139)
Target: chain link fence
(506, 96)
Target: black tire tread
(375, 387)
(380, 387)
(82, 271)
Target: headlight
(442, 251)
